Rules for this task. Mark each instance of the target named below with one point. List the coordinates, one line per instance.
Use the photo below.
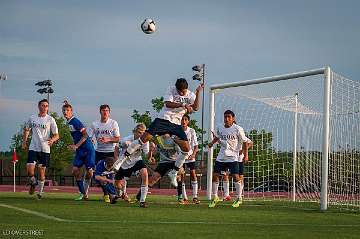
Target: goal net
(305, 128)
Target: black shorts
(164, 167)
(122, 173)
(41, 158)
(241, 168)
(101, 155)
(189, 165)
(161, 127)
(233, 167)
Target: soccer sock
(138, 195)
(80, 185)
(87, 183)
(124, 187)
(194, 185)
(215, 189)
(179, 190)
(144, 191)
(32, 180)
(135, 145)
(241, 188)
(184, 191)
(237, 187)
(41, 186)
(180, 160)
(226, 188)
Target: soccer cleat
(107, 198)
(172, 175)
(214, 202)
(182, 201)
(196, 201)
(143, 204)
(39, 196)
(125, 197)
(32, 189)
(85, 197)
(227, 198)
(80, 197)
(237, 202)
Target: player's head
(181, 86)
(185, 120)
(67, 110)
(229, 118)
(109, 162)
(139, 130)
(43, 106)
(104, 112)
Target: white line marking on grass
(43, 215)
(39, 214)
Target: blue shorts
(233, 167)
(84, 157)
(161, 127)
(41, 158)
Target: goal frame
(326, 72)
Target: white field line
(43, 215)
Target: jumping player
(84, 151)
(178, 100)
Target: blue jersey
(102, 171)
(75, 127)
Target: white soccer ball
(148, 26)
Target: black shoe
(39, 197)
(113, 199)
(143, 204)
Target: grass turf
(165, 219)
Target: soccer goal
(306, 132)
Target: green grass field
(58, 216)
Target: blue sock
(80, 185)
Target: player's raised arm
(196, 103)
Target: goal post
(293, 161)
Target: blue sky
(95, 52)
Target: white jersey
(137, 155)
(231, 140)
(174, 115)
(108, 129)
(42, 128)
(192, 138)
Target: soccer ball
(148, 26)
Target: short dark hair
(104, 107)
(43, 100)
(229, 112)
(109, 160)
(181, 84)
(187, 116)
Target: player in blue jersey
(104, 174)
(85, 152)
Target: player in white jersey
(178, 100)
(189, 163)
(107, 135)
(135, 163)
(44, 134)
(231, 138)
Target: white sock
(180, 159)
(184, 191)
(241, 188)
(87, 183)
(215, 189)
(226, 188)
(238, 189)
(194, 185)
(135, 145)
(124, 187)
(144, 191)
(41, 186)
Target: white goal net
(294, 154)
